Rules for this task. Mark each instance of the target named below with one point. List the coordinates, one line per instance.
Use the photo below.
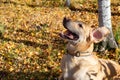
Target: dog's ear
(99, 34)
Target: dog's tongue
(69, 34)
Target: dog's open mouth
(69, 35)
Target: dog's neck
(84, 48)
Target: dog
(79, 62)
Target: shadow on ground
(28, 76)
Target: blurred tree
(104, 19)
(67, 3)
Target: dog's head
(78, 32)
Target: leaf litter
(30, 47)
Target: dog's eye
(80, 25)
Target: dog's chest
(77, 68)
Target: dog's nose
(65, 21)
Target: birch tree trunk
(67, 3)
(104, 19)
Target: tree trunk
(104, 19)
(67, 3)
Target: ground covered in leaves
(30, 48)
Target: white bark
(67, 3)
(104, 12)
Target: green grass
(117, 34)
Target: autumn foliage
(30, 47)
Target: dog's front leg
(95, 75)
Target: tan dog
(79, 63)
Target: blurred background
(30, 47)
